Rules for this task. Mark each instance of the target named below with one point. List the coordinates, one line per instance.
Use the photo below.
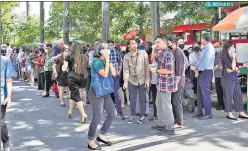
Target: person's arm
(125, 71)
(147, 71)
(104, 72)
(234, 62)
(120, 63)
(9, 74)
(179, 64)
(168, 65)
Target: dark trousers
(193, 80)
(153, 91)
(41, 81)
(219, 91)
(4, 129)
(48, 79)
(203, 91)
(232, 91)
(177, 105)
(133, 91)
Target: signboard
(219, 4)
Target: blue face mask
(217, 50)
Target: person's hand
(233, 55)
(147, 84)
(153, 69)
(229, 70)
(119, 73)
(216, 67)
(125, 85)
(8, 101)
(106, 58)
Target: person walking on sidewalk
(217, 75)
(116, 60)
(136, 78)
(76, 79)
(7, 73)
(102, 72)
(165, 86)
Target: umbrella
(236, 21)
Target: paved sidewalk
(41, 124)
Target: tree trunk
(157, 19)
(66, 22)
(41, 22)
(27, 9)
(105, 20)
(153, 12)
(1, 24)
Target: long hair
(76, 53)
(226, 46)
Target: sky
(34, 8)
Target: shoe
(220, 108)
(63, 105)
(141, 120)
(108, 143)
(87, 102)
(166, 132)
(240, 116)
(205, 117)
(121, 116)
(178, 126)
(84, 118)
(158, 128)
(97, 148)
(154, 118)
(131, 120)
(196, 115)
(231, 118)
(45, 95)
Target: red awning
(182, 28)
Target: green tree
(28, 32)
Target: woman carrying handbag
(102, 85)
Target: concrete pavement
(41, 124)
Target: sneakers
(141, 120)
(166, 132)
(121, 116)
(154, 118)
(131, 120)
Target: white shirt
(192, 60)
(8, 52)
(19, 56)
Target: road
(41, 124)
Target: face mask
(170, 47)
(217, 50)
(181, 46)
(111, 47)
(231, 51)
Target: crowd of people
(109, 78)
